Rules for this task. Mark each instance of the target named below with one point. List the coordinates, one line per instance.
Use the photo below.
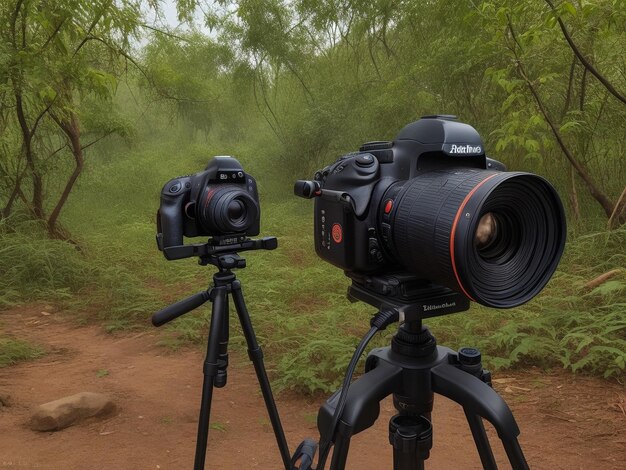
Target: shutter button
(364, 159)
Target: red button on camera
(337, 233)
(388, 206)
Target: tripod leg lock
(303, 456)
(255, 354)
(412, 435)
(210, 369)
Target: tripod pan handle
(179, 308)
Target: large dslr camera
(222, 202)
(431, 207)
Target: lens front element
(227, 209)
(486, 232)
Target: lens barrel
(227, 209)
(495, 236)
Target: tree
(558, 97)
(56, 60)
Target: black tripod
(413, 369)
(225, 282)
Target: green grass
(13, 351)
(218, 427)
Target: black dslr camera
(431, 207)
(222, 202)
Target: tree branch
(103, 136)
(165, 33)
(583, 59)
(143, 72)
(618, 213)
(570, 83)
(91, 27)
(54, 33)
(18, 6)
(595, 191)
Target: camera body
(352, 218)
(221, 201)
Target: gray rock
(64, 412)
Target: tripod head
(219, 245)
(218, 252)
(413, 298)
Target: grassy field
(297, 302)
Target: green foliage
(15, 350)
(317, 365)
(61, 62)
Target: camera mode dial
(175, 186)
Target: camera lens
(227, 210)
(236, 210)
(497, 237)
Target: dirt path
(567, 422)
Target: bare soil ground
(567, 422)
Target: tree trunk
(6, 212)
(574, 196)
(27, 139)
(570, 83)
(71, 128)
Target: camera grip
(171, 213)
(179, 308)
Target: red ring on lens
(453, 232)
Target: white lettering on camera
(428, 308)
(461, 149)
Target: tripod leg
(342, 445)
(482, 443)
(218, 297)
(478, 398)
(256, 356)
(222, 361)
(515, 454)
(361, 410)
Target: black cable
(379, 322)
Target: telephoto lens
(497, 237)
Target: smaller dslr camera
(221, 202)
